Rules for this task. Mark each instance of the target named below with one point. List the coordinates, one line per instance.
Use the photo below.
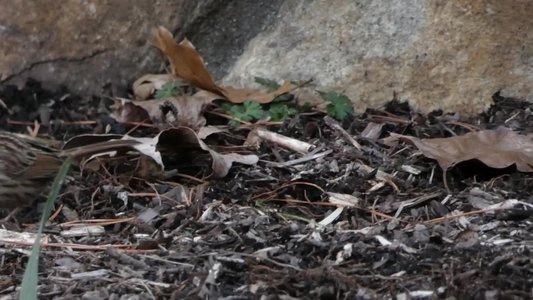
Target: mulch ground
(261, 233)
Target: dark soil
(255, 234)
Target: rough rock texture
(450, 55)
(85, 45)
(222, 34)
(92, 45)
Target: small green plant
(339, 106)
(246, 112)
(280, 111)
(169, 89)
(249, 111)
(268, 83)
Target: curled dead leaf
(180, 144)
(145, 86)
(171, 112)
(149, 165)
(187, 64)
(206, 131)
(185, 141)
(499, 148)
(237, 95)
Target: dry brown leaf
(145, 87)
(185, 62)
(236, 95)
(148, 165)
(499, 148)
(206, 131)
(126, 111)
(373, 130)
(180, 142)
(253, 141)
(174, 111)
(185, 140)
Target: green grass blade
(29, 281)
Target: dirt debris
(257, 233)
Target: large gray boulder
(450, 55)
(85, 45)
(91, 46)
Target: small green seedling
(169, 89)
(250, 111)
(246, 112)
(339, 106)
(279, 112)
